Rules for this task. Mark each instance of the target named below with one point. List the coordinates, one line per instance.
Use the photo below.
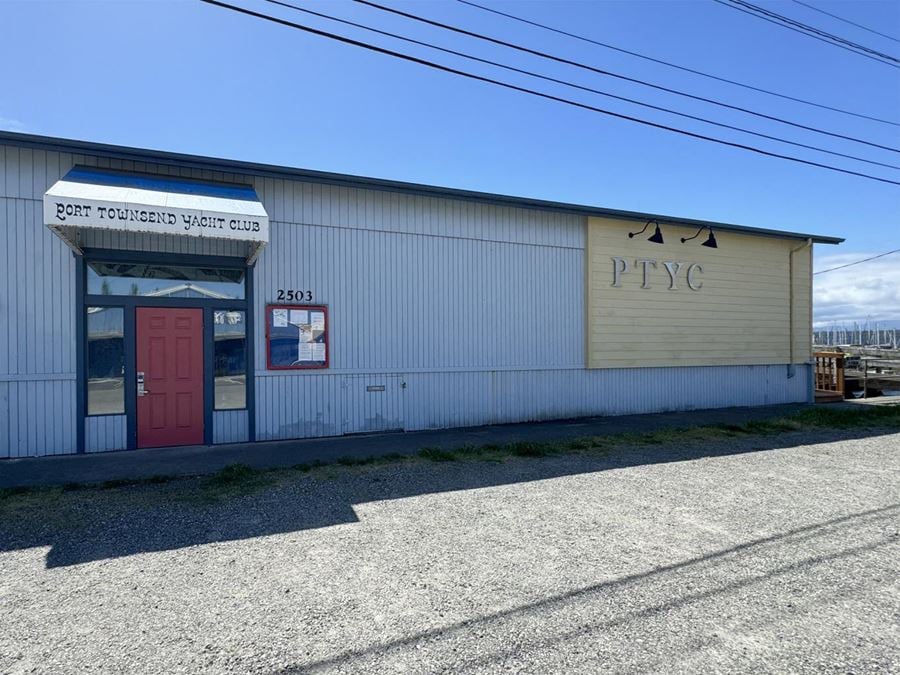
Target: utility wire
(840, 18)
(600, 71)
(858, 262)
(812, 35)
(675, 65)
(812, 29)
(547, 78)
(533, 92)
(771, 17)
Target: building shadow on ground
(95, 524)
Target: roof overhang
(90, 198)
(203, 163)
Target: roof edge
(111, 151)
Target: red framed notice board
(296, 337)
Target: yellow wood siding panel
(741, 314)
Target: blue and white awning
(112, 200)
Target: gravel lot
(767, 554)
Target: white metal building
(152, 298)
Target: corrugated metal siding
(464, 399)
(425, 301)
(298, 407)
(4, 419)
(308, 406)
(373, 403)
(41, 417)
(37, 297)
(333, 206)
(37, 302)
(106, 432)
(230, 426)
(412, 284)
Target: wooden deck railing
(830, 371)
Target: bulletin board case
(297, 337)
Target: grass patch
(529, 449)
(24, 497)
(234, 480)
(233, 474)
(116, 483)
(46, 505)
(239, 479)
(439, 455)
(9, 493)
(845, 417)
(352, 461)
(580, 444)
(122, 483)
(306, 467)
(808, 419)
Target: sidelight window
(230, 359)
(105, 361)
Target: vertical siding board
(53, 303)
(4, 411)
(13, 406)
(105, 433)
(28, 308)
(7, 290)
(230, 426)
(26, 173)
(3, 171)
(13, 254)
(38, 174)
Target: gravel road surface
(753, 555)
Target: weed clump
(233, 474)
(528, 449)
(438, 455)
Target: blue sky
(189, 77)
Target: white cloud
(10, 124)
(870, 291)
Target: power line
(817, 37)
(812, 29)
(600, 71)
(675, 65)
(566, 83)
(803, 29)
(840, 18)
(837, 40)
(858, 262)
(550, 97)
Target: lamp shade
(657, 237)
(710, 241)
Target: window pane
(230, 359)
(105, 361)
(165, 281)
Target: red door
(170, 356)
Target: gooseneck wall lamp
(656, 237)
(710, 240)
